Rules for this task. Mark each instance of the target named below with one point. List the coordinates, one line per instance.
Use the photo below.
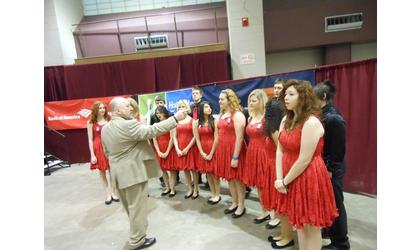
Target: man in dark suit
(197, 95)
(334, 157)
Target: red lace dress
(310, 197)
(102, 162)
(270, 197)
(225, 149)
(255, 171)
(206, 139)
(184, 135)
(166, 164)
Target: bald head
(121, 107)
(116, 103)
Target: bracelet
(235, 158)
(284, 185)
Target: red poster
(71, 114)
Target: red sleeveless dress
(166, 164)
(206, 138)
(270, 197)
(255, 171)
(225, 149)
(184, 135)
(310, 197)
(102, 162)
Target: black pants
(338, 230)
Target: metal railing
(78, 32)
(65, 143)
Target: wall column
(246, 44)
(59, 46)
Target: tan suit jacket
(131, 158)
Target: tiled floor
(77, 218)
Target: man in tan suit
(133, 163)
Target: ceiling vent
(151, 42)
(343, 22)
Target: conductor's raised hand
(181, 114)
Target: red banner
(71, 114)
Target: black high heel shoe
(108, 202)
(215, 202)
(259, 221)
(235, 216)
(165, 193)
(275, 246)
(271, 238)
(270, 226)
(172, 195)
(195, 197)
(229, 211)
(115, 199)
(188, 195)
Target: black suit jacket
(334, 140)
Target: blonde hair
(262, 98)
(186, 103)
(134, 104)
(233, 101)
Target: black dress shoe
(259, 221)
(147, 243)
(172, 195)
(235, 216)
(165, 193)
(188, 195)
(229, 211)
(274, 244)
(271, 238)
(195, 197)
(215, 202)
(115, 199)
(108, 202)
(269, 226)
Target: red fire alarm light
(245, 22)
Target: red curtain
(133, 77)
(356, 100)
(124, 78)
(53, 82)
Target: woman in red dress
(230, 153)
(165, 155)
(205, 132)
(98, 118)
(255, 171)
(136, 112)
(270, 196)
(184, 142)
(301, 172)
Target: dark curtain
(356, 100)
(134, 77)
(128, 78)
(53, 82)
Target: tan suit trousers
(134, 201)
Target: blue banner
(244, 88)
(172, 98)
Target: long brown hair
(307, 105)
(94, 112)
(234, 101)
